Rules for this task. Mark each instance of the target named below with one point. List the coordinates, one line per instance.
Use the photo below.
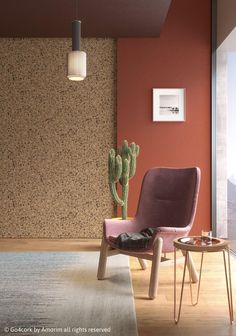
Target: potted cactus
(121, 168)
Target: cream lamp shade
(76, 66)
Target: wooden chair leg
(143, 263)
(192, 268)
(102, 260)
(157, 250)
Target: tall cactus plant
(122, 167)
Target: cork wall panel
(54, 138)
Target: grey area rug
(45, 293)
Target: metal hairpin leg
(227, 279)
(182, 287)
(229, 285)
(183, 281)
(199, 282)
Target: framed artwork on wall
(169, 105)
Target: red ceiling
(100, 18)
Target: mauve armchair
(167, 203)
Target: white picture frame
(169, 105)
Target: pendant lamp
(76, 61)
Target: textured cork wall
(54, 138)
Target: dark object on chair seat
(133, 240)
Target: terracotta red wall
(179, 58)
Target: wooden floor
(155, 317)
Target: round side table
(202, 245)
